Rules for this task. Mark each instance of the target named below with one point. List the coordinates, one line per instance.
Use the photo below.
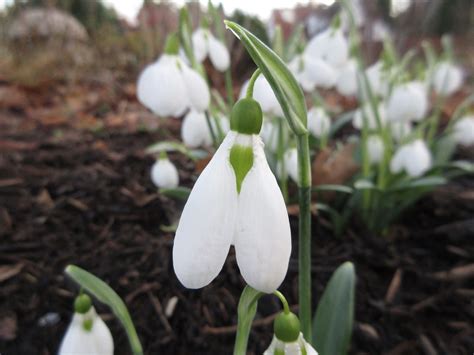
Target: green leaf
(185, 30)
(284, 85)
(245, 314)
(334, 318)
(105, 294)
(340, 121)
(179, 193)
(429, 181)
(336, 218)
(171, 146)
(295, 41)
(336, 188)
(363, 184)
(444, 149)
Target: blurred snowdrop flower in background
(205, 44)
(87, 334)
(370, 119)
(169, 87)
(312, 72)
(375, 148)
(269, 134)
(347, 80)
(298, 347)
(330, 46)
(195, 130)
(291, 163)
(356, 9)
(380, 31)
(447, 78)
(377, 80)
(414, 158)
(235, 201)
(164, 173)
(265, 96)
(318, 122)
(408, 102)
(463, 131)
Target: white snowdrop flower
(347, 80)
(408, 102)
(318, 122)
(400, 130)
(377, 79)
(413, 158)
(265, 96)
(269, 134)
(312, 72)
(235, 201)
(370, 118)
(447, 78)
(169, 87)
(331, 46)
(87, 334)
(205, 44)
(380, 31)
(164, 174)
(375, 148)
(357, 11)
(298, 347)
(291, 163)
(463, 131)
(195, 130)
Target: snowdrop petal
(262, 235)
(464, 131)
(265, 96)
(331, 46)
(195, 131)
(204, 234)
(318, 122)
(419, 160)
(196, 89)
(400, 130)
(375, 149)
(269, 134)
(447, 78)
(97, 341)
(160, 87)
(376, 79)
(319, 72)
(218, 54)
(347, 80)
(408, 102)
(164, 174)
(291, 163)
(370, 118)
(200, 44)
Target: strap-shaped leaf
(185, 35)
(284, 85)
(332, 324)
(246, 313)
(180, 193)
(105, 294)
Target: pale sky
(261, 8)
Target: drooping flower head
(87, 333)
(330, 46)
(366, 115)
(169, 86)
(408, 102)
(164, 174)
(463, 131)
(346, 83)
(205, 44)
(312, 72)
(287, 338)
(318, 122)
(413, 158)
(447, 78)
(235, 201)
(265, 96)
(375, 148)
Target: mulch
(73, 195)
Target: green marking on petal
(87, 324)
(241, 159)
(279, 352)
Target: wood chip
(427, 346)
(456, 274)
(9, 271)
(393, 287)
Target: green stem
(229, 88)
(284, 302)
(304, 192)
(252, 80)
(215, 142)
(281, 160)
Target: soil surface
(75, 189)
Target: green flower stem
(229, 87)
(252, 80)
(215, 141)
(304, 251)
(284, 302)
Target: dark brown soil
(69, 195)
